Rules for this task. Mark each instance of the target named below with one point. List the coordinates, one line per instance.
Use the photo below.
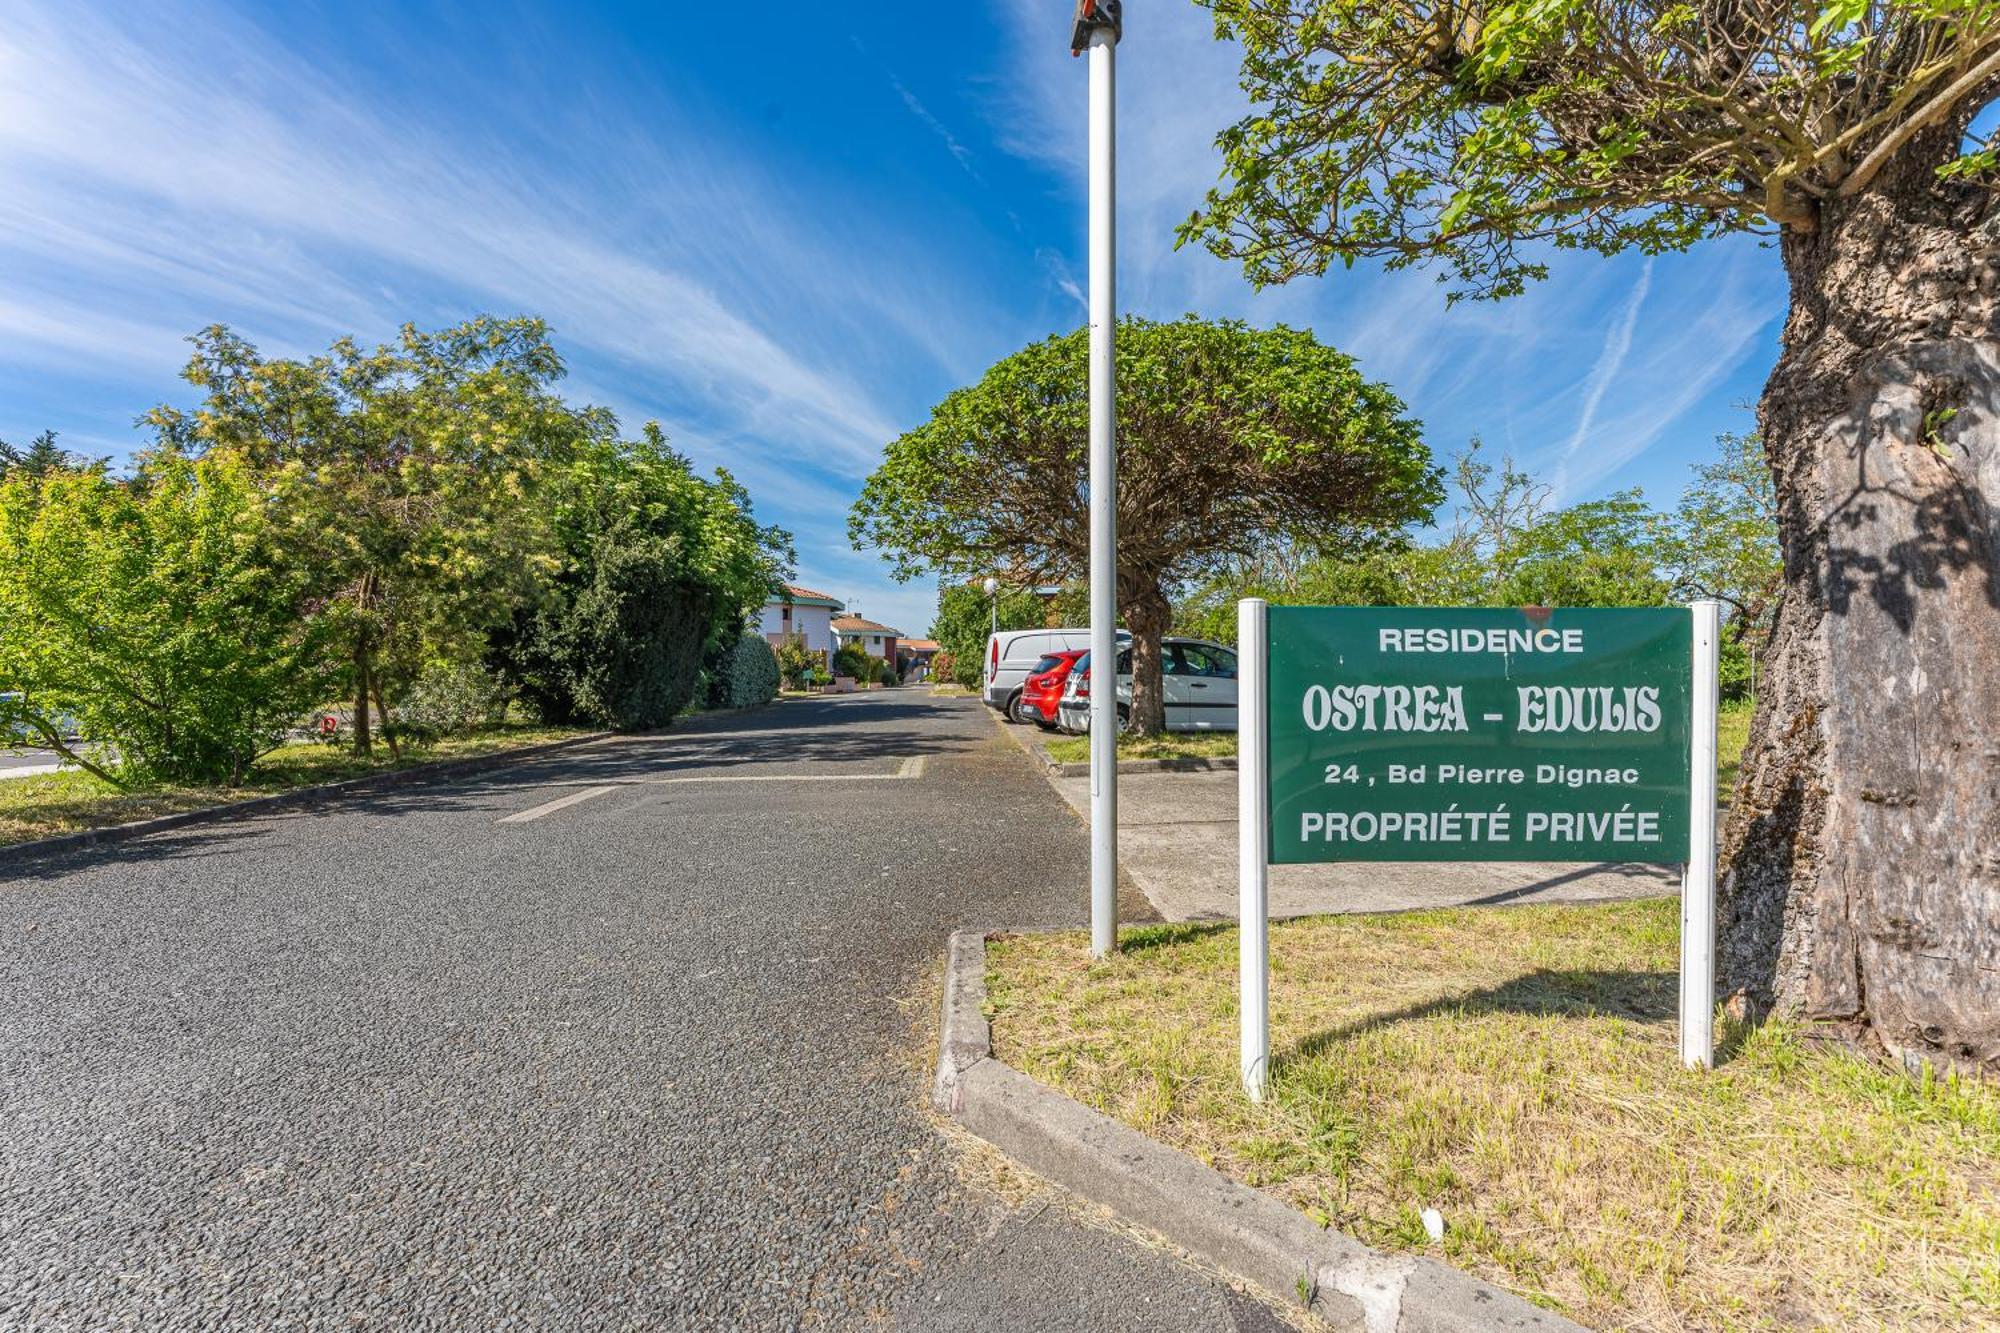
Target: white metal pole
(1698, 881)
(1103, 504)
(1253, 811)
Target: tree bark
(363, 741)
(1861, 857)
(382, 711)
(1149, 614)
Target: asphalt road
(26, 763)
(458, 1056)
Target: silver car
(1198, 679)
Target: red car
(1043, 689)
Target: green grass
(1517, 1069)
(1171, 745)
(1732, 733)
(69, 802)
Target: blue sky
(785, 245)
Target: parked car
(1042, 691)
(1197, 677)
(1012, 656)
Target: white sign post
(1253, 819)
(1698, 878)
(1253, 798)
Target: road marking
(550, 807)
(909, 768)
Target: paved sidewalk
(1177, 841)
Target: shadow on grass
(1142, 939)
(1641, 997)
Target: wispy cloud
(1610, 361)
(959, 151)
(1506, 370)
(96, 128)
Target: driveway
(620, 1038)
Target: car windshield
(1082, 667)
(1049, 663)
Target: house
(913, 658)
(800, 615)
(876, 640)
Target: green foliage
(655, 571)
(965, 620)
(1476, 138)
(885, 672)
(162, 615)
(1600, 553)
(796, 663)
(620, 642)
(749, 674)
(1721, 541)
(42, 457)
(407, 477)
(1228, 436)
(452, 699)
(852, 660)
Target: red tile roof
(858, 625)
(798, 593)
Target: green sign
(1425, 734)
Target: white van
(1011, 656)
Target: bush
(623, 649)
(158, 615)
(452, 700)
(796, 662)
(853, 661)
(749, 676)
(885, 674)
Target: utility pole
(1098, 28)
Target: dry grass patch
(1516, 1069)
(1170, 745)
(51, 804)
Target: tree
(1226, 435)
(406, 476)
(40, 459)
(1858, 873)
(158, 615)
(1723, 544)
(657, 571)
(966, 615)
(1599, 553)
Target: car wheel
(1017, 709)
(1124, 720)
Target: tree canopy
(1458, 131)
(1227, 435)
(159, 615)
(406, 474)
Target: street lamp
(1099, 25)
(992, 586)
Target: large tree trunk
(363, 741)
(1150, 615)
(1861, 858)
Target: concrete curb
(1240, 1230)
(257, 805)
